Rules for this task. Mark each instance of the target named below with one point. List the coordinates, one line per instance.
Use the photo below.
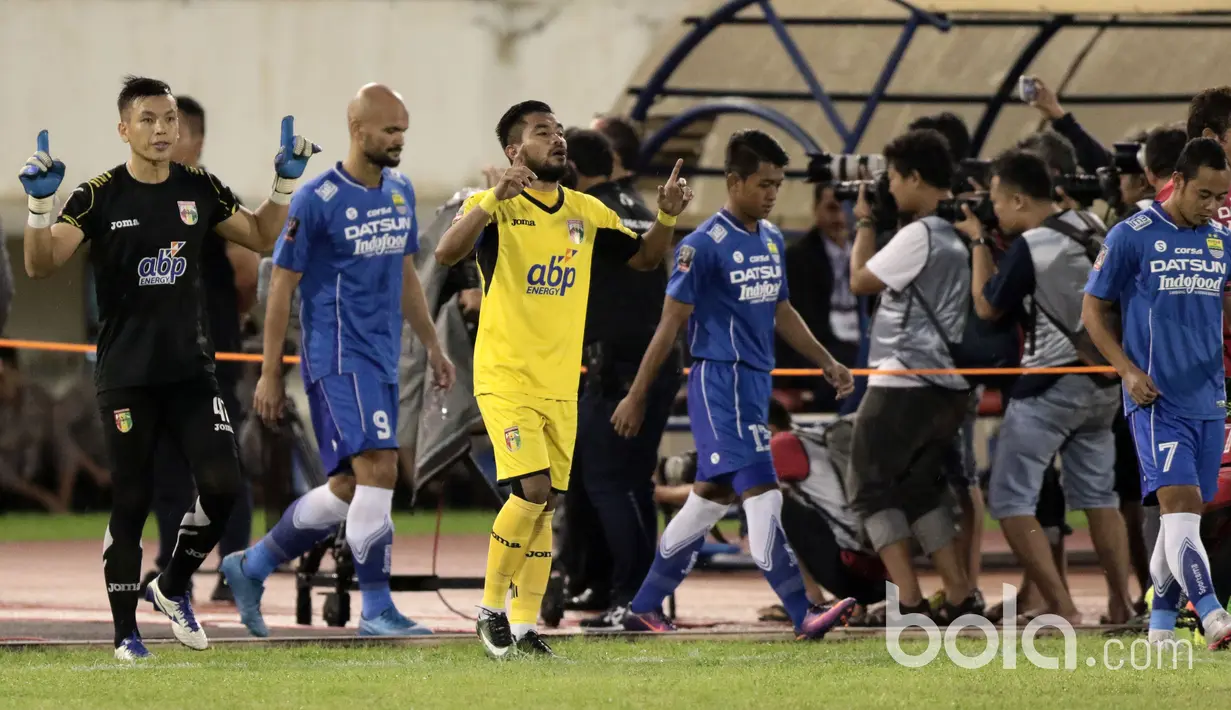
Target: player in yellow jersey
(534, 241)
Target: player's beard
(383, 159)
(550, 173)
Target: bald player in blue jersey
(730, 286)
(349, 246)
(1167, 268)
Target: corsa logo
(506, 543)
(554, 278)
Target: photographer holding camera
(1043, 271)
(906, 425)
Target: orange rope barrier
(786, 372)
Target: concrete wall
(459, 64)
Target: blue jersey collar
(341, 171)
(734, 221)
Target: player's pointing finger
(288, 131)
(44, 142)
(675, 172)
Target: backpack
(984, 344)
(1087, 353)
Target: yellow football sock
(530, 582)
(507, 548)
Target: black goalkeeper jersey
(145, 242)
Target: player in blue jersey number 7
(729, 285)
(1167, 268)
(349, 246)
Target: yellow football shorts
(529, 435)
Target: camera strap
(1086, 350)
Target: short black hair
(590, 151)
(748, 148)
(779, 417)
(139, 87)
(1200, 153)
(625, 140)
(1163, 147)
(925, 151)
(952, 127)
(1210, 109)
(511, 122)
(1055, 150)
(1026, 173)
(818, 191)
(192, 108)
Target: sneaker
(494, 632)
(391, 623)
(588, 600)
(1217, 629)
(819, 620)
(246, 592)
(611, 619)
(652, 621)
(179, 610)
(532, 644)
(132, 649)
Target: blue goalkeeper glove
(40, 178)
(292, 158)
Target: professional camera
(1128, 158)
(1085, 189)
(980, 206)
(834, 167)
(884, 207)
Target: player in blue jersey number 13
(729, 285)
(349, 246)
(1167, 268)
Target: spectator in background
(818, 269)
(31, 437)
(625, 142)
(229, 277)
(953, 128)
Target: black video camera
(980, 206)
(1126, 159)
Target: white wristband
(39, 221)
(284, 189)
(41, 205)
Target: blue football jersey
(1169, 282)
(348, 242)
(734, 280)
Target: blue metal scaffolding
(729, 101)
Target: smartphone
(1028, 89)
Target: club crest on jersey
(1214, 244)
(188, 212)
(773, 251)
(399, 203)
(683, 260)
(576, 231)
(512, 438)
(123, 420)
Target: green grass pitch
(596, 673)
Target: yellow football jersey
(534, 257)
